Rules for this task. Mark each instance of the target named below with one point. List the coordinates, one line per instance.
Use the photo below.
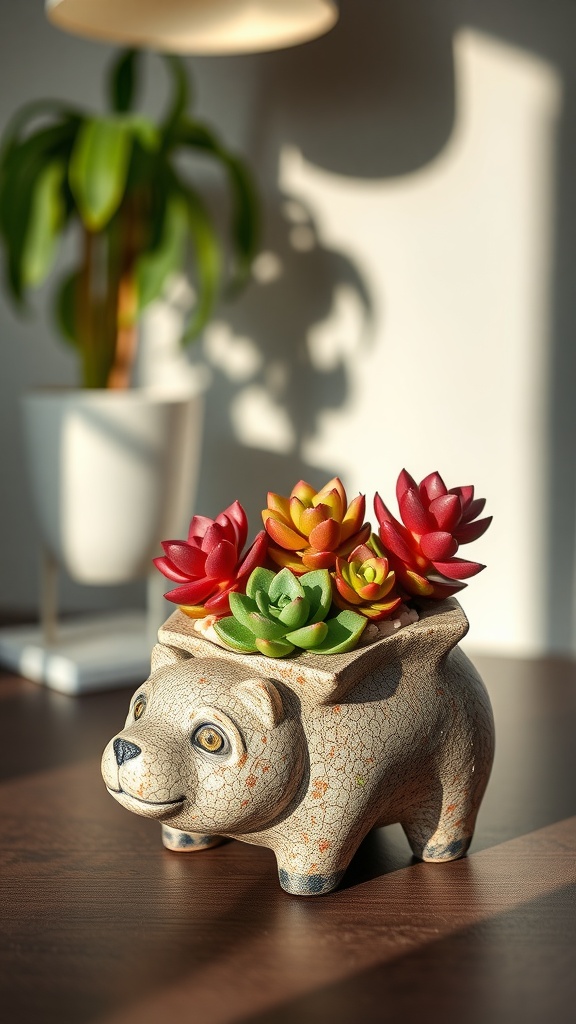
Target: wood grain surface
(99, 923)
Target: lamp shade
(196, 26)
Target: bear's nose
(124, 751)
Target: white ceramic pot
(112, 474)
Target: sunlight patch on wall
(458, 256)
(259, 422)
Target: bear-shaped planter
(307, 755)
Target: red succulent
(364, 583)
(209, 565)
(310, 529)
(436, 521)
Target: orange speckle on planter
(320, 787)
(300, 680)
(251, 781)
(324, 845)
(243, 759)
(244, 803)
(331, 752)
(305, 837)
(336, 709)
(450, 808)
(264, 739)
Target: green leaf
(99, 168)
(46, 219)
(30, 111)
(343, 633)
(318, 589)
(263, 603)
(274, 648)
(122, 85)
(245, 206)
(295, 614)
(166, 258)
(265, 628)
(180, 94)
(20, 171)
(309, 637)
(144, 130)
(242, 607)
(285, 584)
(259, 579)
(208, 263)
(235, 635)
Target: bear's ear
(262, 698)
(164, 655)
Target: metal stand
(87, 653)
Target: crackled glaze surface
(316, 750)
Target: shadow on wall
(375, 98)
(372, 99)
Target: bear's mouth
(154, 806)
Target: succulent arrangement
(317, 574)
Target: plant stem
(126, 336)
(84, 312)
(120, 375)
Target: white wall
(414, 303)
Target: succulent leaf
(318, 590)
(235, 635)
(285, 585)
(309, 636)
(274, 648)
(343, 633)
(260, 579)
(295, 614)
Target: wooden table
(99, 923)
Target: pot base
(99, 652)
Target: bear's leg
(441, 827)
(437, 844)
(314, 867)
(187, 842)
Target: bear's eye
(139, 706)
(210, 739)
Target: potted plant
(373, 716)
(117, 183)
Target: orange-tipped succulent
(435, 521)
(311, 529)
(364, 583)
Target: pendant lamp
(196, 26)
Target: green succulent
(281, 612)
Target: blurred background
(413, 304)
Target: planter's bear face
(207, 748)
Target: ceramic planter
(112, 472)
(306, 755)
